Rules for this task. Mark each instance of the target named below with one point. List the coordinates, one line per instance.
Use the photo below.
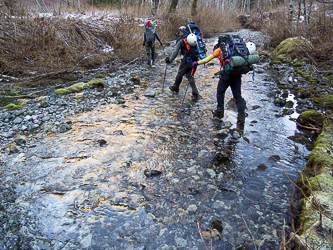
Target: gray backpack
(150, 33)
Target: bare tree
(194, 8)
(291, 11)
(172, 6)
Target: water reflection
(91, 191)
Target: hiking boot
(241, 118)
(174, 89)
(196, 97)
(219, 112)
(149, 60)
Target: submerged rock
(150, 173)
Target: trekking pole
(181, 106)
(166, 66)
(192, 73)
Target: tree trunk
(173, 6)
(194, 8)
(299, 15)
(291, 11)
(154, 10)
(305, 18)
(157, 2)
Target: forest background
(44, 42)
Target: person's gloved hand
(143, 44)
(162, 44)
(194, 67)
(167, 60)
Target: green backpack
(150, 32)
(237, 58)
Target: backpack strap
(188, 47)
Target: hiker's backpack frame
(233, 45)
(201, 45)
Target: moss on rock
(60, 91)
(40, 99)
(284, 58)
(317, 185)
(298, 64)
(326, 100)
(96, 83)
(312, 117)
(274, 62)
(22, 102)
(77, 87)
(292, 47)
(12, 106)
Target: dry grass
(36, 45)
(277, 27)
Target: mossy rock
(312, 117)
(298, 64)
(22, 102)
(12, 106)
(326, 100)
(96, 83)
(56, 82)
(60, 92)
(100, 75)
(292, 47)
(303, 93)
(274, 62)
(284, 58)
(135, 80)
(77, 87)
(300, 73)
(316, 183)
(40, 99)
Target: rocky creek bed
(127, 167)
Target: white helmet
(251, 47)
(192, 39)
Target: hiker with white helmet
(233, 81)
(149, 41)
(187, 46)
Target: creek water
(87, 188)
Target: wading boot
(174, 88)
(219, 112)
(149, 60)
(153, 56)
(195, 93)
(241, 117)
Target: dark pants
(184, 69)
(235, 83)
(150, 50)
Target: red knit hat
(148, 23)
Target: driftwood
(302, 243)
(19, 96)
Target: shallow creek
(87, 188)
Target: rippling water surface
(73, 192)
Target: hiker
(187, 47)
(226, 80)
(149, 41)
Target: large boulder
(311, 117)
(293, 47)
